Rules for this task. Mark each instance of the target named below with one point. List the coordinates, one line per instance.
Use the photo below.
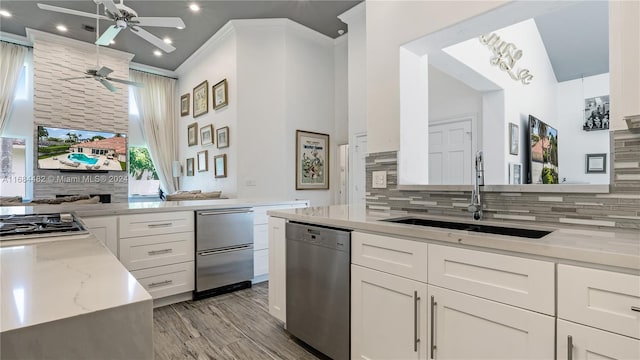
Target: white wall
(573, 142)
(341, 107)
(450, 97)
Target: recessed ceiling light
(194, 7)
(179, 27)
(112, 42)
(61, 28)
(157, 53)
(5, 13)
(167, 40)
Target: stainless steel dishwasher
(318, 284)
(224, 251)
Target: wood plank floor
(231, 326)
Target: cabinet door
(592, 343)
(468, 327)
(388, 316)
(105, 228)
(277, 269)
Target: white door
(591, 343)
(450, 152)
(388, 316)
(469, 327)
(277, 269)
(357, 171)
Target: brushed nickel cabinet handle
(161, 283)
(416, 340)
(569, 347)
(158, 252)
(433, 328)
(159, 225)
(635, 308)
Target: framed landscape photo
(206, 135)
(203, 161)
(514, 139)
(220, 95)
(201, 99)
(220, 165)
(312, 160)
(222, 136)
(515, 173)
(184, 104)
(192, 134)
(190, 167)
(596, 164)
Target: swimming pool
(82, 158)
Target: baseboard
(172, 299)
(260, 278)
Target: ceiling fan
(124, 18)
(100, 74)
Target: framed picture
(312, 160)
(220, 95)
(515, 173)
(514, 139)
(203, 161)
(223, 137)
(192, 134)
(596, 113)
(184, 104)
(596, 164)
(206, 135)
(190, 167)
(220, 165)
(201, 99)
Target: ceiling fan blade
(111, 7)
(174, 22)
(108, 35)
(104, 71)
(108, 85)
(152, 39)
(76, 78)
(133, 83)
(72, 12)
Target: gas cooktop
(40, 225)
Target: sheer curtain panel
(11, 62)
(156, 105)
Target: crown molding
(33, 35)
(355, 13)
(15, 39)
(153, 70)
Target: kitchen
(377, 115)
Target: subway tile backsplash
(618, 209)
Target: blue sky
(86, 134)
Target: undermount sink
(500, 230)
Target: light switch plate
(379, 180)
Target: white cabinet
(469, 327)
(388, 316)
(585, 342)
(105, 228)
(277, 267)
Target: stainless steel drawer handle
(224, 212)
(225, 250)
(416, 340)
(161, 283)
(635, 308)
(569, 347)
(158, 252)
(433, 329)
(159, 225)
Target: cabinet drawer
(260, 237)
(511, 280)
(395, 256)
(599, 298)
(150, 251)
(155, 224)
(167, 280)
(260, 262)
(591, 343)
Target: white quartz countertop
(58, 279)
(613, 248)
(144, 207)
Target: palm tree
(43, 133)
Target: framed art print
(312, 160)
(220, 95)
(190, 167)
(192, 134)
(184, 104)
(201, 99)
(220, 165)
(596, 164)
(203, 161)
(222, 136)
(514, 137)
(206, 135)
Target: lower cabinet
(580, 342)
(388, 316)
(167, 280)
(105, 228)
(468, 327)
(277, 269)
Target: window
(143, 178)
(13, 178)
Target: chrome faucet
(476, 201)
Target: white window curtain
(11, 61)
(156, 106)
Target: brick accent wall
(82, 104)
(620, 208)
